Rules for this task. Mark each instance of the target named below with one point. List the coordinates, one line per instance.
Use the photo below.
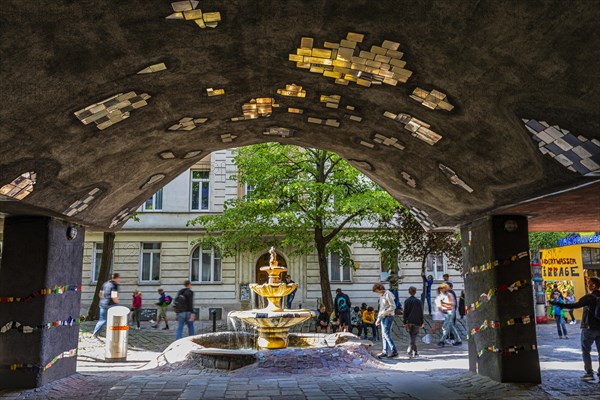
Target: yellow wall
(565, 264)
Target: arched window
(337, 271)
(205, 265)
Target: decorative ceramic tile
(362, 164)
(416, 127)
(453, 178)
(295, 110)
(432, 100)
(112, 110)
(367, 144)
(328, 122)
(153, 68)
(167, 155)
(228, 138)
(152, 180)
(422, 218)
(83, 202)
(187, 10)
(192, 154)
(121, 217)
(255, 108)
(279, 131)
(388, 141)
(576, 153)
(20, 187)
(292, 90)
(331, 101)
(410, 181)
(187, 124)
(215, 92)
(345, 62)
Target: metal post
(214, 319)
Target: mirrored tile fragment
(21, 186)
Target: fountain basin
(227, 359)
(272, 326)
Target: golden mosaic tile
(187, 124)
(306, 42)
(454, 179)
(228, 138)
(367, 144)
(295, 110)
(355, 37)
(215, 92)
(292, 90)
(279, 131)
(433, 100)
(20, 187)
(255, 108)
(188, 11)
(410, 181)
(387, 44)
(388, 141)
(153, 68)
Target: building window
(248, 189)
(436, 265)
(150, 262)
(337, 271)
(155, 202)
(590, 257)
(200, 190)
(205, 265)
(97, 261)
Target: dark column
(499, 238)
(38, 254)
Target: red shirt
(137, 301)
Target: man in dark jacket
(185, 315)
(590, 325)
(413, 320)
(342, 309)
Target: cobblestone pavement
(336, 373)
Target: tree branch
(337, 230)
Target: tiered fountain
(273, 322)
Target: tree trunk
(327, 298)
(423, 264)
(108, 245)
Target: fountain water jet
(273, 322)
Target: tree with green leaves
(402, 238)
(302, 199)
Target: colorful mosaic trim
(41, 292)
(486, 297)
(507, 351)
(492, 264)
(525, 319)
(39, 369)
(14, 325)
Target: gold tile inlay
(188, 11)
(255, 108)
(112, 110)
(215, 92)
(153, 68)
(433, 100)
(20, 187)
(187, 124)
(418, 128)
(292, 90)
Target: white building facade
(158, 251)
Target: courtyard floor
(313, 374)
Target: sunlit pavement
(438, 373)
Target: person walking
(184, 307)
(448, 305)
(590, 325)
(428, 281)
(438, 313)
(454, 333)
(394, 279)
(109, 297)
(163, 303)
(570, 299)
(342, 306)
(385, 318)
(137, 308)
(413, 320)
(290, 297)
(558, 314)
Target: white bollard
(116, 334)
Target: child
(557, 312)
(368, 318)
(356, 321)
(137, 308)
(323, 321)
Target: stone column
(498, 238)
(39, 254)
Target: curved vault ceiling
(500, 64)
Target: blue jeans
(386, 333)
(560, 324)
(183, 318)
(449, 326)
(290, 298)
(428, 298)
(101, 319)
(589, 336)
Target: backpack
(180, 302)
(342, 305)
(168, 299)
